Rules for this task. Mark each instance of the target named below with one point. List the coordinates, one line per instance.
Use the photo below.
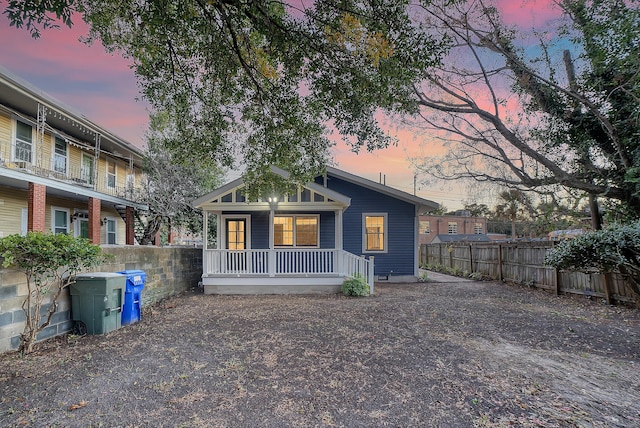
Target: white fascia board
(204, 200)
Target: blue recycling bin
(132, 306)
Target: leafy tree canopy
(263, 81)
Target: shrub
(355, 286)
(50, 263)
(607, 250)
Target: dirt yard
(458, 354)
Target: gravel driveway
(449, 354)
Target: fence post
(607, 288)
(556, 281)
(500, 262)
(440, 254)
(470, 258)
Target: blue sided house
(338, 226)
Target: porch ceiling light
(273, 201)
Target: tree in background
(538, 121)
(259, 80)
(169, 186)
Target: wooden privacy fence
(523, 262)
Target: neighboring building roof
(422, 204)
(20, 96)
(460, 238)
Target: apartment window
(111, 174)
(477, 229)
(425, 227)
(295, 231)
(60, 220)
(24, 142)
(87, 168)
(375, 233)
(453, 228)
(60, 155)
(111, 232)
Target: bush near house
(50, 263)
(356, 286)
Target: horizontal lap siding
(327, 230)
(400, 256)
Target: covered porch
(289, 244)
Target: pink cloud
(98, 84)
(528, 13)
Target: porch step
(272, 285)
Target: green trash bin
(96, 301)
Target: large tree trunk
(596, 219)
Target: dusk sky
(103, 88)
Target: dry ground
(434, 354)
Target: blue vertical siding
(400, 256)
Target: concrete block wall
(170, 270)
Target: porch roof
(229, 198)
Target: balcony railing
(287, 262)
(59, 170)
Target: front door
(236, 239)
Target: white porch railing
(283, 262)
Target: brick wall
(170, 270)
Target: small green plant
(50, 263)
(424, 277)
(355, 286)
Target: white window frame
(53, 218)
(108, 174)
(24, 221)
(294, 245)
(452, 228)
(14, 141)
(115, 231)
(79, 217)
(54, 154)
(83, 175)
(385, 231)
(426, 230)
(222, 238)
(478, 229)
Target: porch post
(371, 274)
(338, 242)
(205, 238)
(272, 253)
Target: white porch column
(272, 253)
(339, 262)
(205, 263)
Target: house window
(453, 228)
(375, 232)
(60, 155)
(111, 232)
(24, 142)
(425, 227)
(111, 174)
(60, 220)
(87, 168)
(477, 229)
(295, 231)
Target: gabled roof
(422, 204)
(213, 200)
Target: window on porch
(295, 231)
